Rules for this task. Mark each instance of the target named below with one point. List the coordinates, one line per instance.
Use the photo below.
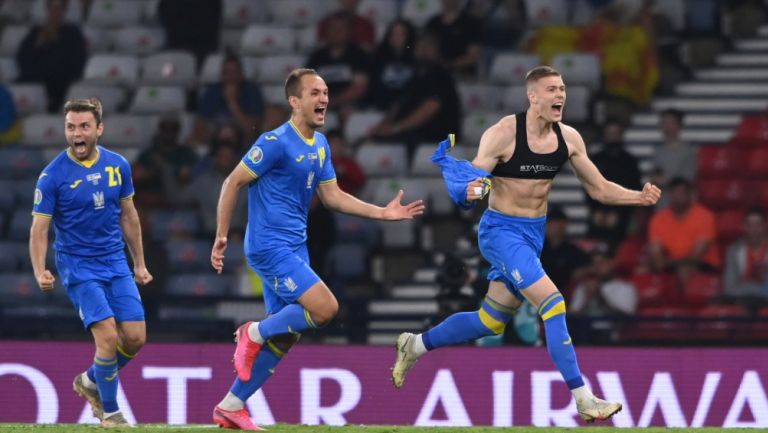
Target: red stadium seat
(660, 323)
(709, 329)
(721, 162)
(752, 131)
(701, 288)
(723, 193)
(654, 289)
(730, 225)
(757, 164)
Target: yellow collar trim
(309, 141)
(87, 164)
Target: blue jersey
(85, 202)
(287, 168)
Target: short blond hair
(540, 72)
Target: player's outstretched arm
(597, 186)
(227, 200)
(334, 198)
(129, 221)
(38, 248)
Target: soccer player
(521, 153)
(88, 193)
(282, 171)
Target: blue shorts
(286, 275)
(512, 245)
(100, 287)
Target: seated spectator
(394, 64)
(53, 53)
(429, 108)
(458, 34)
(192, 25)
(362, 29)
(682, 235)
(609, 223)
(349, 174)
(564, 261)
(746, 262)
(166, 161)
(601, 292)
(345, 67)
(10, 128)
(675, 157)
(203, 191)
(231, 100)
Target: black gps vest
(526, 164)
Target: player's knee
(326, 313)
(132, 343)
(106, 341)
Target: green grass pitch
(284, 428)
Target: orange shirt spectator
(684, 231)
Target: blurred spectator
(429, 108)
(394, 64)
(53, 53)
(192, 25)
(503, 22)
(362, 29)
(609, 223)
(746, 262)
(203, 191)
(345, 67)
(274, 116)
(563, 260)
(682, 235)
(632, 253)
(458, 35)
(349, 174)
(675, 157)
(166, 160)
(10, 129)
(231, 100)
(601, 292)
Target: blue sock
(490, 319)
(262, 370)
(122, 358)
(105, 373)
(559, 344)
(293, 319)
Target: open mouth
(79, 146)
(557, 108)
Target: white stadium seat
(112, 97)
(113, 13)
(382, 159)
(158, 100)
(43, 130)
(274, 69)
(510, 68)
(29, 98)
(360, 123)
(298, 13)
(261, 40)
(112, 69)
(578, 68)
(169, 67)
(126, 130)
(139, 40)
